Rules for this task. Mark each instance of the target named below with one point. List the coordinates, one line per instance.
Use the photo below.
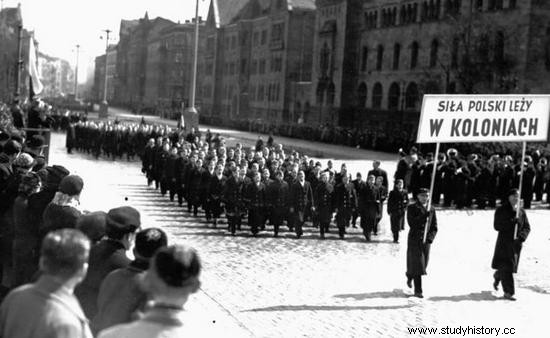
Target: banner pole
(524, 146)
(434, 169)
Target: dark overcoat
(507, 251)
(324, 201)
(418, 253)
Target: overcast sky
(61, 24)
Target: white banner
(33, 70)
(483, 118)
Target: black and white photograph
(274, 168)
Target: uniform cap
(71, 185)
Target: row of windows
(259, 66)
(429, 11)
(269, 93)
(259, 38)
(412, 96)
(483, 52)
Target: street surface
(283, 287)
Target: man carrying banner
(418, 251)
(513, 229)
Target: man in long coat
(368, 206)
(277, 196)
(301, 199)
(508, 247)
(345, 202)
(418, 252)
(324, 203)
(398, 201)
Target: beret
(71, 185)
(123, 219)
(92, 225)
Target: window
(277, 31)
(362, 95)
(232, 68)
(233, 42)
(433, 53)
(261, 93)
(479, 5)
(262, 66)
(411, 96)
(364, 58)
(324, 60)
(243, 66)
(330, 94)
(264, 37)
(512, 4)
(492, 5)
(393, 97)
(210, 45)
(320, 94)
(256, 38)
(414, 54)
(499, 47)
(379, 57)
(396, 54)
(454, 53)
(253, 67)
(377, 95)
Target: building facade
(99, 78)
(375, 59)
(10, 19)
(111, 71)
(256, 50)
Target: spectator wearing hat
(35, 147)
(62, 212)
(172, 277)
(418, 252)
(21, 166)
(25, 241)
(48, 307)
(121, 296)
(10, 152)
(513, 230)
(93, 225)
(108, 255)
(528, 185)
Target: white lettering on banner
(484, 118)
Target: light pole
(76, 72)
(19, 63)
(192, 118)
(104, 107)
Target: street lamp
(192, 119)
(19, 63)
(104, 107)
(76, 73)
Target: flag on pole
(36, 85)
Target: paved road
(283, 287)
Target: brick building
(375, 59)
(256, 52)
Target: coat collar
(56, 290)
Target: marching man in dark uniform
(508, 246)
(278, 201)
(418, 252)
(323, 203)
(368, 206)
(231, 197)
(301, 198)
(345, 201)
(255, 200)
(398, 201)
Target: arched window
(330, 94)
(362, 95)
(424, 13)
(396, 55)
(379, 57)
(414, 54)
(415, 12)
(393, 97)
(433, 53)
(499, 47)
(411, 96)
(320, 94)
(377, 95)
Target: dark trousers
(397, 221)
(417, 281)
(367, 224)
(507, 280)
(342, 221)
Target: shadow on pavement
(536, 289)
(396, 293)
(327, 308)
(474, 296)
